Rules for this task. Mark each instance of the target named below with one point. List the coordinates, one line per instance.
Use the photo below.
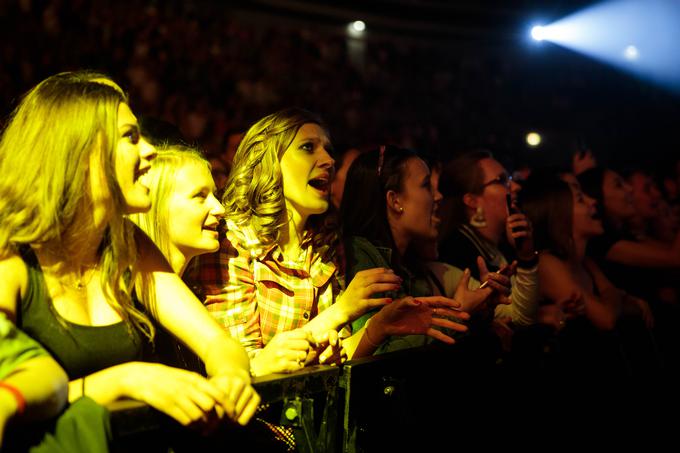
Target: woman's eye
(309, 147)
(133, 136)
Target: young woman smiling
(80, 278)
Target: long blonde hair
(45, 153)
(253, 196)
(161, 182)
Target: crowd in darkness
(212, 70)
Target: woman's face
(420, 202)
(617, 197)
(646, 195)
(496, 185)
(133, 159)
(193, 211)
(306, 168)
(585, 220)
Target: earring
(401, 209)
(478, 220)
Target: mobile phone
(513, 210)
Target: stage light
(631, 53)
(623, 32)
(538, 33)
(533, 139)
(358, 26)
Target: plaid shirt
(255, 294)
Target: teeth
(143, 178)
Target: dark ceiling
(489, 20)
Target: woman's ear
(471, 201)
(394, 202)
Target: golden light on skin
(533, 139)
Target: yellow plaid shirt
(255, 294)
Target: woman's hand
(409, 316)
(183, 395)
(241, 399)
(574, 306)
(328, 350)
(357, 298)
(582, 161)
(286, 352)
(520, 234)
(498, 281)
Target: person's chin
(137, 206)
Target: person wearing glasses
(487, 225)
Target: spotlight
(631, 53)
(358, 26)
(538, 33)
(533, 139)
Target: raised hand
(470, 300)
(498, 281)
(520, 234)
(582, 161)
(286, 352)
(357, 298)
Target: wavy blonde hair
(45, 152)
(253, 196)
(161, 182)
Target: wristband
(21, 402)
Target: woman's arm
(559, 284)
(183, 315)
(356, 300)
(407, 316)
(640, 254)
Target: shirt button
(305, 315)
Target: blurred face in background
(617, 197)
(646, 195)
(585, 220)
(496, 185)
(338, 185)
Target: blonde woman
(184, 216)
(73, 163)
(275, 283)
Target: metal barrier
(379, 403)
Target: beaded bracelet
(21, 402)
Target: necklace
(81, 281)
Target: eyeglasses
(503, 179)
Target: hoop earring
(478, 220)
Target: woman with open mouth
(80, 278)
(388, 207)
(279, 289)
(579, 298)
